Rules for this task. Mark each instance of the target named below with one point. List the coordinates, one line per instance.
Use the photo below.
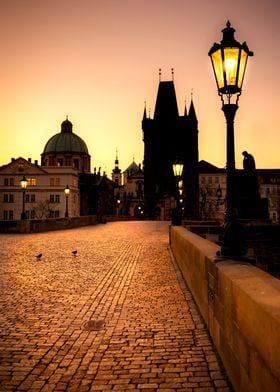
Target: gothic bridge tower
(166, 137)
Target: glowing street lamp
(118, 206)
(67, 192)
(178, 167)
(229, 60)
(23, 184)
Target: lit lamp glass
(178, 168)
(229, 60)
(23, 183)
(67, 190)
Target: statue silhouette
(248, 162)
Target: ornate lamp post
(66, 191)
(178, 167)
(23, 184)
(229, 60)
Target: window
(9, 181)
(202, 180)
(60, 162)
(55, 198)
(55, 181)
(54, 214)
(31, 182)
(76, 163)
(8, 198)
(30, 198)
(8, 214)
(209, 180)
(216, 180)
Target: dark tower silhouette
(166, 137)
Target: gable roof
(21, 166)
(206, 167)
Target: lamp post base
(233, 242)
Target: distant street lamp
(178, 167)
(118, 206)
(66, 191)
(23, 184)
(229, 60)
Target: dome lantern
(66, 126)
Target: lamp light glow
(178, 167)
(67, 190)
(23, 183)
(229, 60)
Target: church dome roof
(132, 168)
(66, 141)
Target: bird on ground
(38, 257)
(74, 252)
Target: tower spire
(172, 73)
(145, 111)
(159, 74)
(185, 111)
(116, 160)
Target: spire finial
(172, 73)
(192, 93)
(185, 111)
(159, 74)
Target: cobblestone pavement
(117, 316)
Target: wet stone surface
(116, 316)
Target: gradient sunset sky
(97, 61)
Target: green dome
(66, 141)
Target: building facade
(129, 190)
(44, 196)
(212, 191)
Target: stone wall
(33, 226)
(240, 305)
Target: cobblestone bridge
(115, 316)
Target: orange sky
(97, 62)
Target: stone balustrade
(240, 305)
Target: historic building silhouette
(168, 136)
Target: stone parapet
(240, 305)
